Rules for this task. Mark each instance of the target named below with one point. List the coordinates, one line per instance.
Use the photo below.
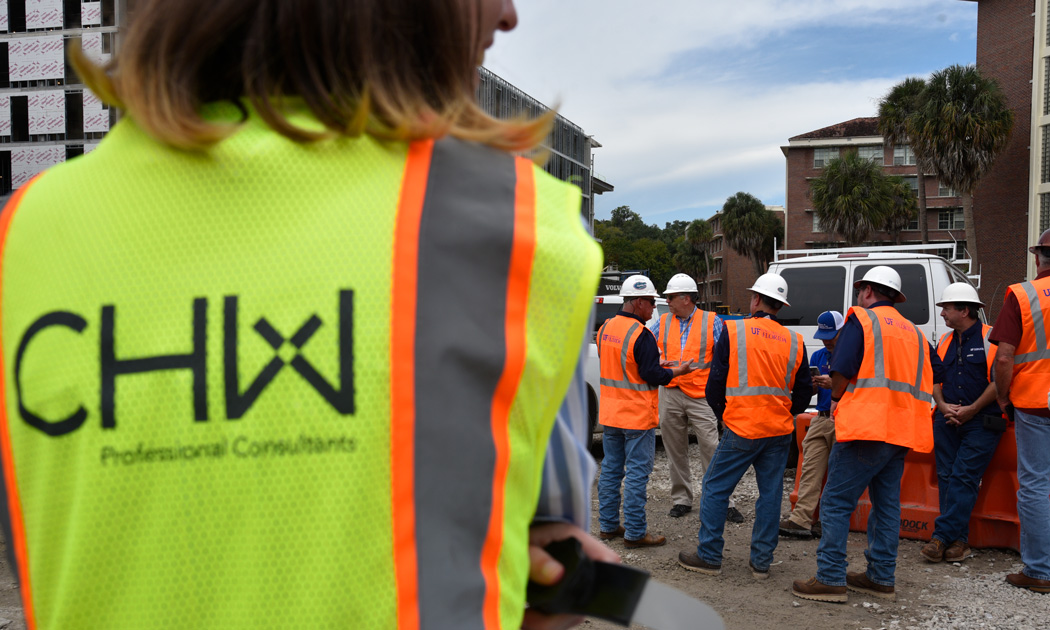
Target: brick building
(731, 273)
(806, 155)
(1012, 202)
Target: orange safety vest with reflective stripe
(889, 398)
(989, 348)
(628, 401)
(764, 357)
(1031, 382)
(699, 348)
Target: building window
(913, 182)
(874, 153)
(903, 156)
(1046, 83)
(816, 223)
(824, 155)
(1046, 155)
(913, 225)
(718, 265)
(950, 219)
(1044, 212)
(944, 190)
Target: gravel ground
(971, 595)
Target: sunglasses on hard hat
(1040, 249)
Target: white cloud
(666, 86)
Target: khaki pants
(816, 447)
(679, 413)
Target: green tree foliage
(903, 207)
(750, 229)
(899, 106)
(853, 197)
(628, 243)
(691, 255)
(963, 123)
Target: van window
(812, 291)
(914, 284)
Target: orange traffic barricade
(994, 521)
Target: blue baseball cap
(828, 325)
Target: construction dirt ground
(950, 596)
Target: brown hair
(394, 69)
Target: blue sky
(692, 99)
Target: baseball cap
(828, 325)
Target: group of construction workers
(739, 384)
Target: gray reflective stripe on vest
(701, 361)
(1042, 352)
(880, 380)
(626, 384)
(743, 389)
(665, 321)
(465, 240)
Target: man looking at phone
(967, 423)
(821, 434)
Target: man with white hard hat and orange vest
(687, 331)
(967, 423)
(1022, 379)
(759, 380)
(882, 377)
(631, 374)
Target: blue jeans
(733, 457)
(1033, 495)
(852, 467)
(962, 454)
(628, 459)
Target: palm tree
(903, 207)
(962, 124)
(692, 257)
(750, 229)
(851, 197)
(895, 109)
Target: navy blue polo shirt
(647, 356)
(966, 369)
(849, 349)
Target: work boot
(860, 583)
(956, 552)
(817, 591)
(1021, 580)
(933, 550)
(733, 515)
(616, 533)
(649, 540)
(692, 562)
(757, 573)
(790, 528)
(680, 510)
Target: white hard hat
(772, 285)
(959, 292)
(680, 283)
(638, 286)
(886, 277)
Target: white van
(822, 280)
(606, 306)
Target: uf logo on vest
(237, 402)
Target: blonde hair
(393, 69)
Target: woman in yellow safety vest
(286, 349)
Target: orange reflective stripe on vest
(889, 398)
(989, 348)
(628, 401)
(699, 348)
(1031, 381)
(763, 360)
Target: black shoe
(733, 515)
(816, 529)
(680, 510)
(790, 528)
